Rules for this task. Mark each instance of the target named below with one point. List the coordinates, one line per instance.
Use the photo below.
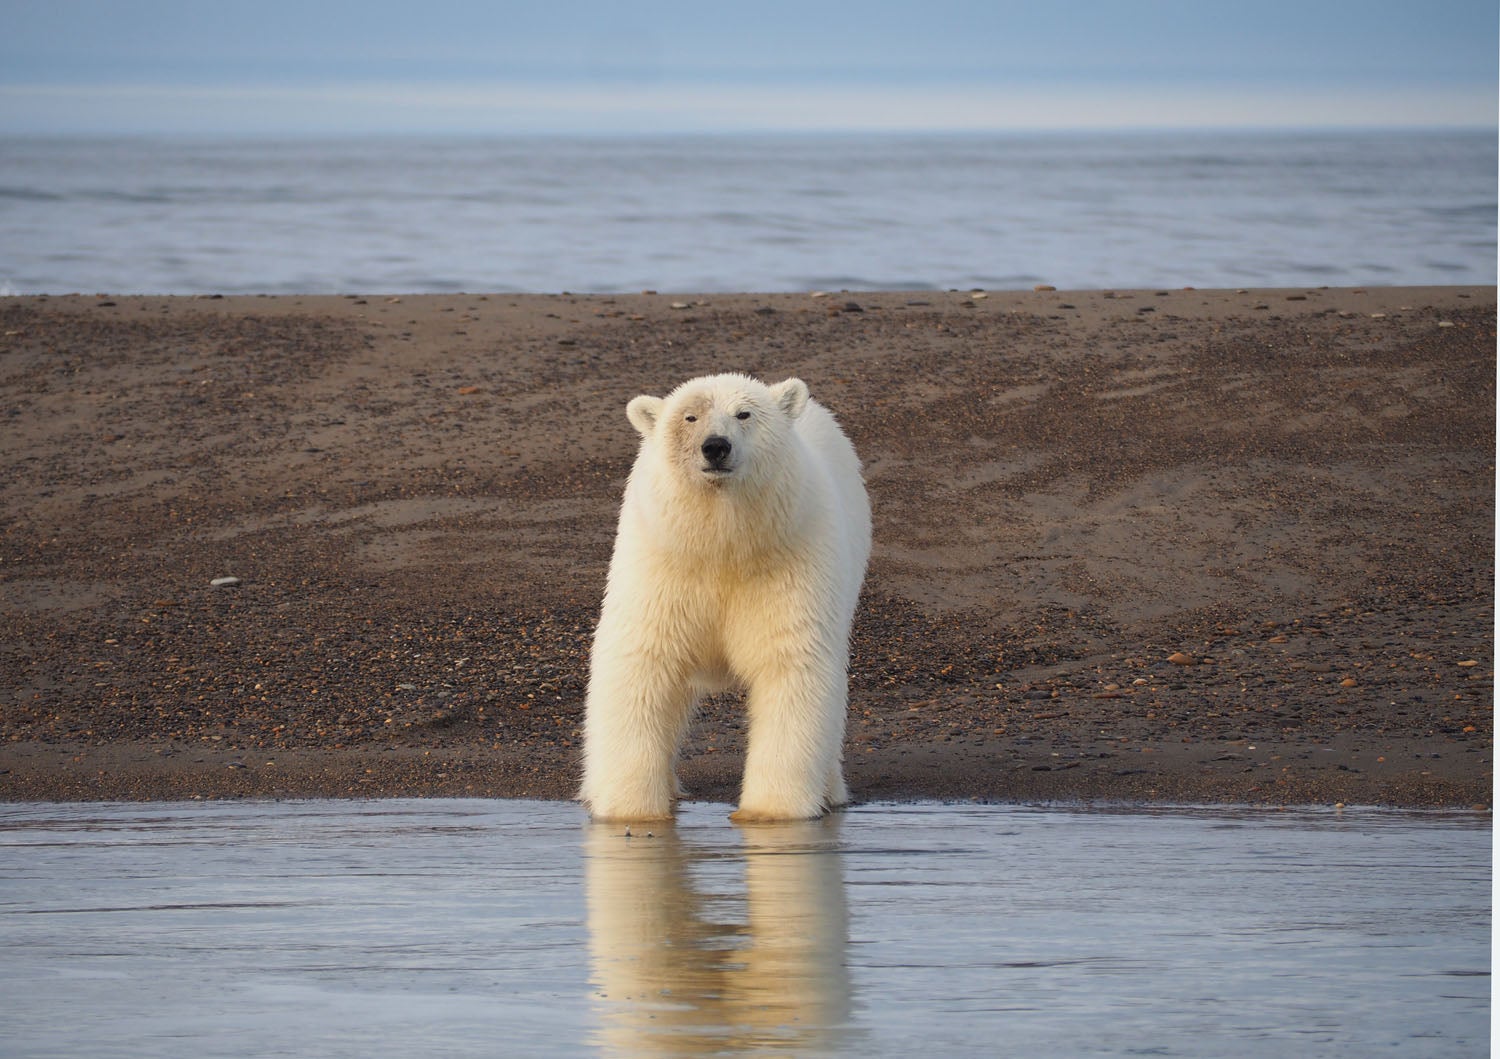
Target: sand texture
(1150, 546)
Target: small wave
(29, 195)
(1477, 211)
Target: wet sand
(1143, 546)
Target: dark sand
(1292, 490)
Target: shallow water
(516, 928)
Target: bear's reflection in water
(684, 962)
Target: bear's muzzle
(716, 451)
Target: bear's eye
(743, 415)
(691, 419)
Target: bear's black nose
(716, 450)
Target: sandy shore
(1179, 546)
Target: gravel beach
(1135, 546)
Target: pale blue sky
(450, 66)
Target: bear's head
(720, 429)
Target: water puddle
(441, 928)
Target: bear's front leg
(636, 718)
(793, 768)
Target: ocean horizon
(747, 212)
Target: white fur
(747, 576)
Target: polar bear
(743, 538)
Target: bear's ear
(790, 396)
(642, 412)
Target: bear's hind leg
(837, 791)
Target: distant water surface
(443, 928)
(763, 213)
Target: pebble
(1044, 287)
(1446, 323)
(1180, 658)
(224, 582)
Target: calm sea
(770, 213)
